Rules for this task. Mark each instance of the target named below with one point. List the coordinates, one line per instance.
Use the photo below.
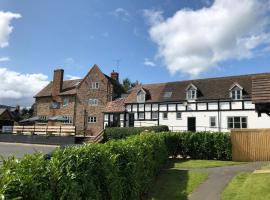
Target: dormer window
(236, 92)
(141, 96)
(191, 92)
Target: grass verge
(192, 164)
(176, 184)
(248, 186)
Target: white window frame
(65, 101)
(93, 102)
(164, 118)
(68, 118)
(95, 85)
(142, 115)
(177, 117)
(43, 117)
(156, 115)
(233, 121)
(237, 94)
(210, 121)
(91, 119)
(141, 96)
(191, 94)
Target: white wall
(203, 120)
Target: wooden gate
(250, 144)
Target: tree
(127, 84)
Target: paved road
(218, 179)
(18, 149)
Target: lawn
(192, 164)
(176, 182)
(248, 186)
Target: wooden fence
(250, 144)
(44, 130)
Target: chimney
(115, 75)
(57, 82)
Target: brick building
(80, 102)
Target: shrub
(117, 170)
(199, 145)
(124, 132)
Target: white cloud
(121, 13)
(71, 77)
(195, 41)
(18, 88)
(148, 62)
(5, 27)
(4, 59)
(154, 17)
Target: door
(191, 124)
(131, 120)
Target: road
(18, 149)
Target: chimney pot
(115, 75)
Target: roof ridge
(204, 79)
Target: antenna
(117, 63)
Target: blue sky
(152, 39)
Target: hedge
(200, 145)
(124, 132)
(116, 170)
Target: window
(141, 115)
(236, 91)
(191, 94)
(236, 94)
(55, 105)
(178, 115)
(43, 117)
(141, 96)
(213, 122)
(95, 85)
(237, 122)
(65, 101)
(154, 115)
(165, 115)
(167, 94)
(92, 119)
(68, 119)
(93, 102)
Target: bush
(199, 145)
(124, 132)
(121, 169)
(116, 170)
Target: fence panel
(250, 144)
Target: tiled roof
(208, 89)
(117, 105)
(68, 88)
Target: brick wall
(83, 109)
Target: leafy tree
(127, 84)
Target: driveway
(18, 149)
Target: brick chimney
(57, 82)
(115, 75)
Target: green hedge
(117, 170)
(124, 132)
(200, 145)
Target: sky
(147, 40)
